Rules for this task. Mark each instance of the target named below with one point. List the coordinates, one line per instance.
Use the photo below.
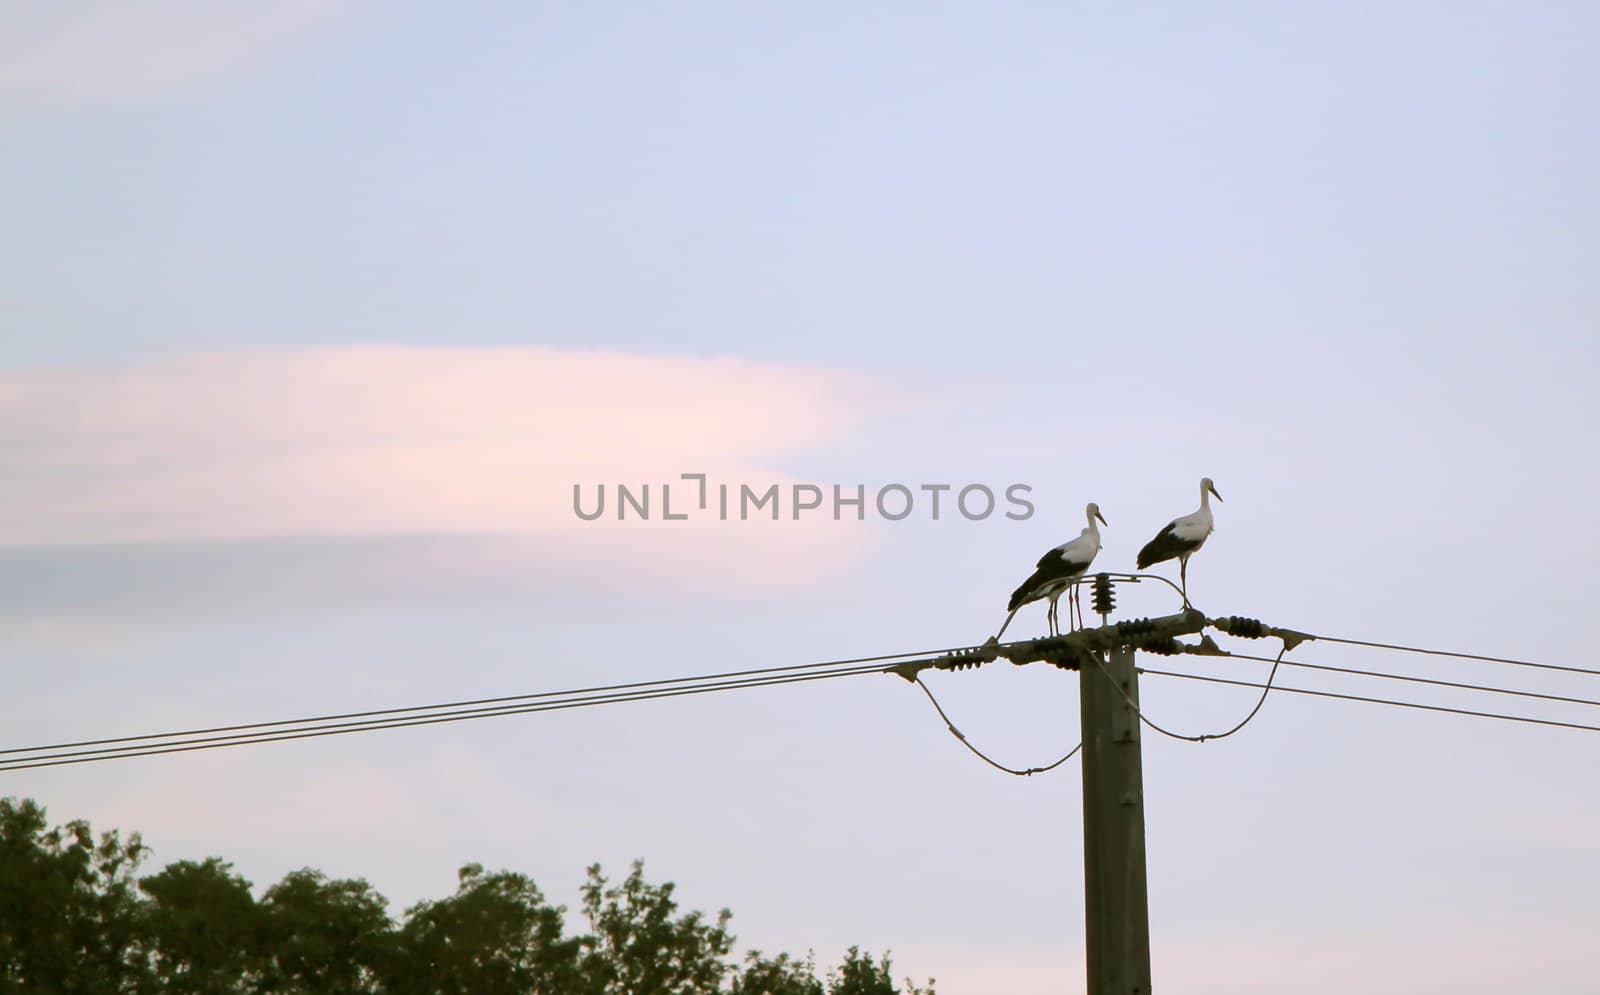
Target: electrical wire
(1376, 701)
(1373, 644)
(1436, 682)
(1088, 579)
(1461, 656)
(1265, 689)
(185, 746)
(979, 753)
(311, 732)
(215, 737)
(156, 744)
(1128, 578)
(453, 705)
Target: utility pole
(1116, 900)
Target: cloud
(87, 52)
(214, 482)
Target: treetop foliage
(77, 919)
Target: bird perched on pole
(1182, 537)
(1056, 571)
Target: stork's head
(1207, 486)
(1093, 512)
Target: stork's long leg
(1183, 578)
(1052, 624)
(1077, 599)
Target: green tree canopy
(495, 936)
(69, 910)
(206, 934)
(325, 937)
(637, 946)
(75, 919)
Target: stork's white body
(1194, 528)
(1057, 569)
(1182, 537)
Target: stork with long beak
(1056, 571)
(1182, 537)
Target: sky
(312, 316)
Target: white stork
(1057, 570)
(1182, 537)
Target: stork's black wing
(1054, 569)
(1165, 546)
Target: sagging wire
(959, 735)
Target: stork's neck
(1093, 530)
(1205, 500)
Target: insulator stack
(1104, 602)
(1245, 628)
(1162, 647)
(1072, 658)
(1130, 629)
(964, 659)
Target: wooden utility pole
(1116, 900)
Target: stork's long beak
(1214, 492)
(1102, 518)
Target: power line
(957, 733)
(442, 707)
(1376, 701)
(216, 737)
(1461, 656)
(1130, 578)
(158, 744)
(312, 732)
(1437, 682)
(1265, 689)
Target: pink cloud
(84, 52)
(479, 446)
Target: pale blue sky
(1340, 259)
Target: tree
(637, 947)
(68, 907)
(76, 920)
(781, 975)
(325, 937)
(858, 975)
(495, 936)
(207, 934)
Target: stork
(1182, 537)
(1056, 571)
